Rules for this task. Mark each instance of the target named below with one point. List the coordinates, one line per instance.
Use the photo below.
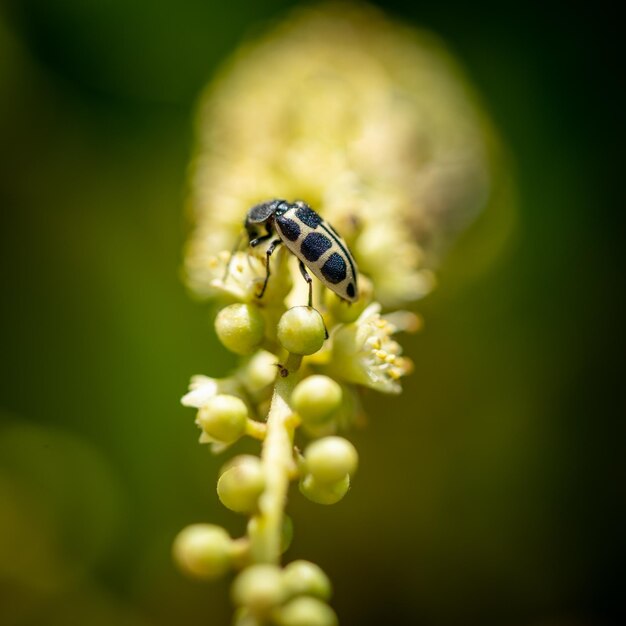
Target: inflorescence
(368, 122)
(300, 372)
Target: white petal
(202, 389)
(370, 311)
(204, 438)
(219, 446)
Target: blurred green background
(490, 492)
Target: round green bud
(259, 372)
(324, 493)
(240, 486)
(330, 459)
(301, 330)
(316, 398)
(259, 588)
(303, 578)
(240, 327)
(306, 612)
(224, 418)
(203, 551)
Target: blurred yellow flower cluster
(366, 120)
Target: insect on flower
(315, 243)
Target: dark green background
(489, 493)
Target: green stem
(277, 457)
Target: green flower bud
(330, 459)
(303, 578)
(259, 372)
(324, 493)
(306, 612)
(223, 418)
(301, 330)
(240, 327)
(203, 551)
(316, 398)
(260, 588)
(241, 484)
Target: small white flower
(258, 372)
(201, 390)
(364, 352)
(237, 276)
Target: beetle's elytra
(314, 241)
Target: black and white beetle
(313, 240)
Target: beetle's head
(259, 215)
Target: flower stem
(277, 458)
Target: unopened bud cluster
(289, 351)
(328, 465)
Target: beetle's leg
(255, 242)
(268, 254)
(230, 258)
(309, 280)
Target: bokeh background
(489, 493)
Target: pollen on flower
(236, 276)
(373, 342)
(395, 373)
(365, 353)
